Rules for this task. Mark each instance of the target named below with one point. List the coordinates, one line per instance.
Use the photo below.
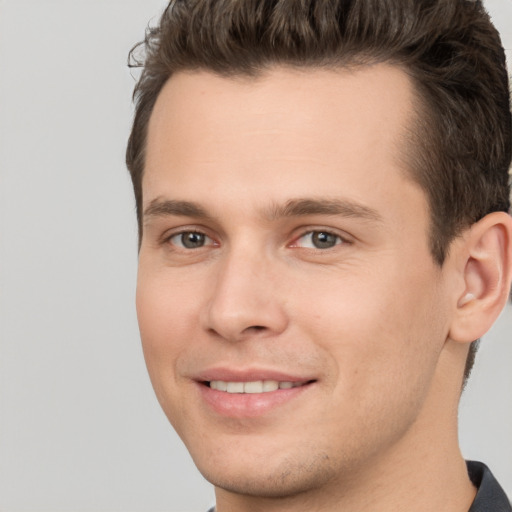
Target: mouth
(251, 398)
(251, 392)
(253, 387)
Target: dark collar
(490, 497)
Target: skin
(368, 320)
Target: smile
(257, 386)
(252, 397)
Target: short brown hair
(460, 150)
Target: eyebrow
(166, 207)
(342, 207)
(293, 208)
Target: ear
(485, 265)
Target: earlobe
(487, 273)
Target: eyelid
(166, 237)
(343, 237)
(169, 234)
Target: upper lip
(248, 375)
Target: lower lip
(248, 405)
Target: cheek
(165, 322)
(383, 349)
(164, 306)
(379, 329)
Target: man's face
(284, 246)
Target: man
(322, 194)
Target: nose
(243, 302)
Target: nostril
(257, 327)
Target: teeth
(222, 386)
(257, 386)
(270, 385)
(253, 387)
(235, 387)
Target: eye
(318, 240)
(190, 240)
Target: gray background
(80, 429)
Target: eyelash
(168, 239)
(335, 239)
(339, 240)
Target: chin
(268, 477)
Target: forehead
(287, 133)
